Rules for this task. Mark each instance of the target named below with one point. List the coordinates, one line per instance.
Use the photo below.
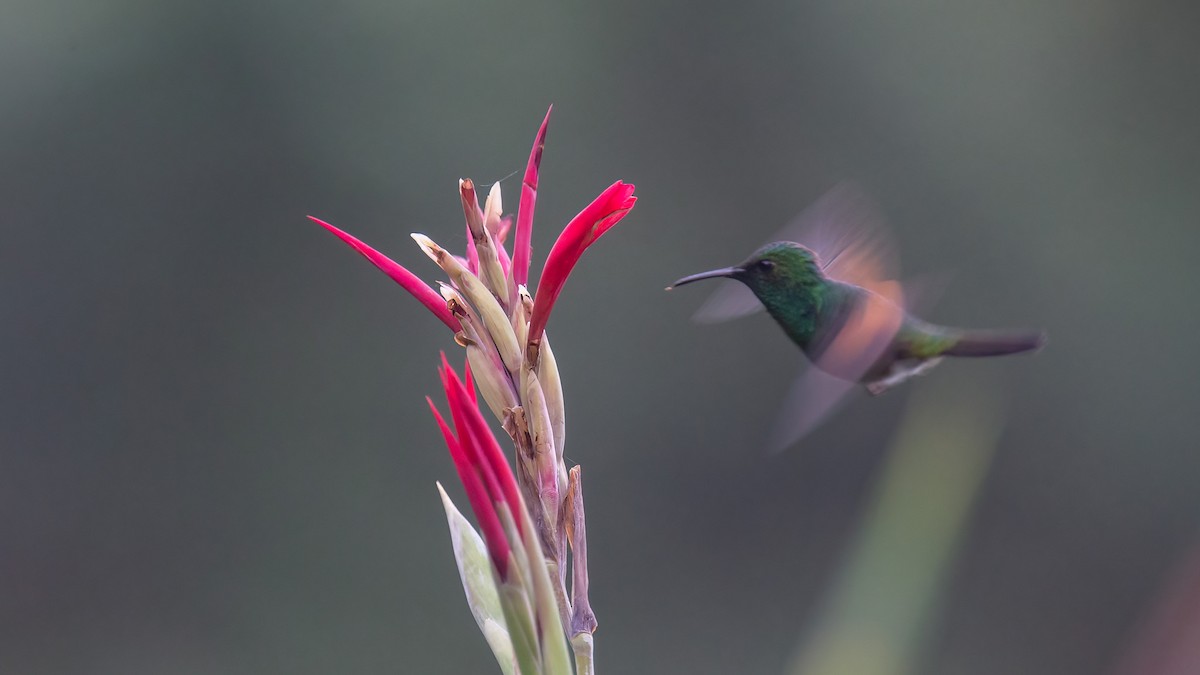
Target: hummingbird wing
(847, 232)
(863, 335)
(862, 341)
(731, 300)
(855, 247)
(851, 238)
(813, 397)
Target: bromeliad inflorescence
(533, 522)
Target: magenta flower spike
(407, 280)
(583, 230)
(523, 241)
(524, 570)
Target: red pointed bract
(469, 422)
(477, 495)
(468, 380)
(460, 410)
(485, 473)
(407, 280)
(523, 241)
(583, 230)
(501, 233)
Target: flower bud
(493, 384)
(520, 314)
(486, 367)
(542, 440)
(547, 372)
(495, 321)
(493, 209)
(490, 269)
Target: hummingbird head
(778, 266)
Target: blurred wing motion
(850, 237)
(814, 396)
(844, 358)
(846, 231)
(731, 300)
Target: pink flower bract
(409, 281)
(485, 473)
(583, 230)
(522, 243)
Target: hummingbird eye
(766, 264)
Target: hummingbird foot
(899, 372)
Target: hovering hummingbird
(833, 294)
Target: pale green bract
(475, 570)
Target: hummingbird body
(854, 332)
(835, 296)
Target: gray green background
(215, 456)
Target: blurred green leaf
(884, 604)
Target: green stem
(584, 656)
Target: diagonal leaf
(476, 573)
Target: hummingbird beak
(711, 274)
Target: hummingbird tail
(996, 343)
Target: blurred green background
(214, 452)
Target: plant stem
(584, 657)
(560, 593)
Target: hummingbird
(833, 297)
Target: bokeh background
(214, 452)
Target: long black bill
(711, 274)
